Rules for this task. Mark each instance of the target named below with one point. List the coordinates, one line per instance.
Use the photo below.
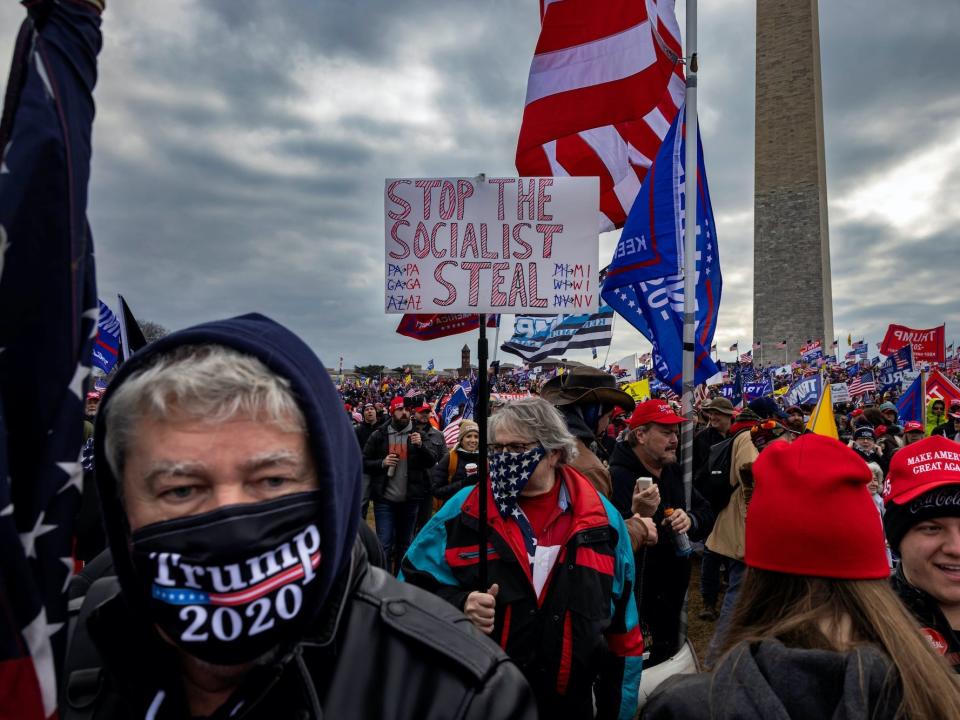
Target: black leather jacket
(381, 649)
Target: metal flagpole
(690, 249)
(480, 415)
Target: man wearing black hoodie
(230, 485)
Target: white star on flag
(29, 539)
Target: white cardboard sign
(491, 245)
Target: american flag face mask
(509, 474)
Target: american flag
(782, 345)
(862, 384)
(605, 84)
(49, 300)
(747, 357)
(757, 345)
(735, 347)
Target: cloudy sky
(240, 150)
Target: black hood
(331, 436)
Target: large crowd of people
(275, 540)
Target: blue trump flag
(461, 396)
(805, 391)
(910, 404)
(643, 283)
(49, 300)
(107, 345)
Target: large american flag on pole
(862, 384)
(605, 84)
(49, 319)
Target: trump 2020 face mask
(232, 584)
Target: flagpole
(480, 415)
(690, 248)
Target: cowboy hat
(582, 385)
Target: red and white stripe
(605, 83)
(451, 433)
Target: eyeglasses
(514, 447)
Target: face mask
(230, 585)
(510, 473)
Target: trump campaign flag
(928, 345)
(49, 300)
(431, 327)
(650, 297)
(106, 348)
(605, 83)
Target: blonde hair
(795, 609)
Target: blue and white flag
(757, 389)
(805, 391)
(430, 364)
(536, 337)
(892, 373)
(461, 396)
(106, 348)
(643, 283)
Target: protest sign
(839, 392)
(928, 345)
(491, 245)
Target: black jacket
(662, 576)
(933, 623)
(769, 681)
(364, 430)
(445, 485)
(380, 649)
(419, 461)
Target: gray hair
(536, 419)
(210, 383)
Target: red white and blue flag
(49, 320)
(605, 84)
(106, 348)
(862, 384)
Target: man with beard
(369, 422)
(663, 574)
(433, 438)
(398, 461)
(229, 478)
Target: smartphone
(644, 482)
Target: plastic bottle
(681, 542)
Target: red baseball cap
(922, 466)
(654, 411)
(426, 407)
(396, 403)
(912, 426)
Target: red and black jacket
(581, 636)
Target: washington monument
(792, 295)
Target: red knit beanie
(811, 512)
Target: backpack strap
(451, 465)
(83, 669)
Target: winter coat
(579, 642)
(662, 576)
(419, 461)
(769, 681)
(587, 463)
(445, 483)
(729, 532)
(933, 624)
